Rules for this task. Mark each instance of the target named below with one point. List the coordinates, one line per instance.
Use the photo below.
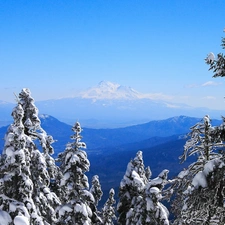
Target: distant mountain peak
(110, 90)
(108, 85)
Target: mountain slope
(110, 138)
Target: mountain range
(109, 150)
(117, 122)
(110, 105)
(142, 135)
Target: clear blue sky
(57, 48)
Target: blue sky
(58, 48)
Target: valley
(110, 150)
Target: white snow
(150, 205)
(210, 57)
(199, 180)
(5, 218)
(88, 195)
(10, 152)
(210, 166)
(110, 90)
(64, 209)
(21, 220)
(10, 138)
(160, 210)
(82, 209)
(28, 185)
(163, 213)
(207, 119)
(183, 173)
(156, 192)
(138, 182)
(74, 159)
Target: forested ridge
(37, 189)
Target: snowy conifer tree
(78, 202)
(140, 197)
(34, 130)
(154, 211)
(108, 211)
(200, 188)
(97, 193)
(32, 177)
(217, 64)
(201, 142)
(148, 209)
(42, 165)
(131, 187)
(16, 186)
(96, 189)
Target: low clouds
(206, 84)
(210, 83)
(209, 98)
(158, 96)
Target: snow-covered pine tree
(42, 166)
(77, 200)
(96, 189)
(34, 130)
(148, 209)
(141, 196)
(97, 193)
(200, 188)
(201, 142)
(16, 187)
(20, 143)
(217, 64)
(108, 211)
(131, 187)
(154, 211)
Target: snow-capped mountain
(111, 105)
(109, 90)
